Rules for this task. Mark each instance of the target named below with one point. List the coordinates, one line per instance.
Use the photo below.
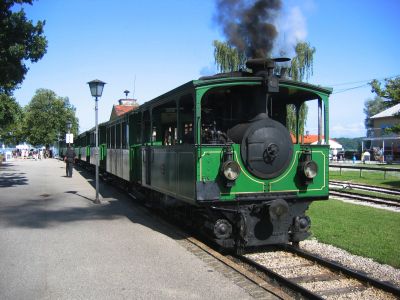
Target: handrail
(361, 168)
(364, 168)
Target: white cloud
(295, 26)
(347, 130)
(292, 26)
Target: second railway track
(389, 191)
(379, 196)
(375, 200)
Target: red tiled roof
(123, 109)
(307, 139)
(119, 110)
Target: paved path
(55, 243)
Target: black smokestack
(247, 24)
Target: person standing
(69, 159)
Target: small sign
(69, 138)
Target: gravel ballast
(359, 263)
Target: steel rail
(387, 287)
(366, 187)
(365, 198)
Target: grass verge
(369, 177)
(361, 230)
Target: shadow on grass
(393, 184)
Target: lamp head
(96, 87)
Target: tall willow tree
(229, 59)
(301, 68)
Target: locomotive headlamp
(310, 169)
(231, 170)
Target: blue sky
(151, 47)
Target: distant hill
(348, 144)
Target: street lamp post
(69, 125)
(96, 89)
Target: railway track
(316, 278)
(292, 273)
(366, 199)
(365, 187)
(344, 190)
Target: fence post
(384, 174)
(360, 172)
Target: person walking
(69, 159)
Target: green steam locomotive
(217, 152)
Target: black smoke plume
(247, 24)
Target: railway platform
(55, 243)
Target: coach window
(134, 128)
(146, 130)
(186, 117)
(109, 137)
(118, 136)
(112, 135)
(102, 135)
(223, 108)
(165, 124)
(124, 135)
(92, 139)
(313, 130)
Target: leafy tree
(391, 91)
(20, 41)
(350, 144)
(10, 110)
(10, 119)
(46, 117)
(390, 95)
(372, 107)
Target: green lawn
(368, 177)
(361, 230)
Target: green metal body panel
(135, 159)
(209, 170)
(103, 156)
(172, 171)
(88, 155)
(210, 157)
